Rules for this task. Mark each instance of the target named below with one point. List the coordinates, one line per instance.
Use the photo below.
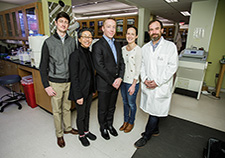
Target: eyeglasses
(65, 22)
(86, 37)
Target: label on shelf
(130, 21)
(100, 23)
(119, 22)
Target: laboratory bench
(12, 67)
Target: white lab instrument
(193, 53)
(191, 73)
(35, 44)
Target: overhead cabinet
(20, 22)
(122, 24)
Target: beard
(155, 38)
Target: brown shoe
(124, 126)
(73, 131)
(129, 128)
(61, 142)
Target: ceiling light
(124, 14)
(171, 1)
(111, 11)
(81, 18)
(105, 16)
(185, 13)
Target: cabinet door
(3, 32)
(42, 99)
(91, 24)
(99, 32)
(9, 24)
(15, 24)
(84, 24)
(171, 32)
(131, 21)
(2, 68)
(11, 68)
(164, 32)
(32, 22)
(22, 30)
(120, 27)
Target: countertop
(17, 61)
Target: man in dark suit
(109, 65)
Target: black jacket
(80, 75)
(107, 70)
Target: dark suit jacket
(80, 75)
(107, 70)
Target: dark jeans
(106, 108)
(151, 127)
(83, 115)
(129, 102)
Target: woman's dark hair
(62, 15)
(161, 24)
(85, 29)
(134, 28)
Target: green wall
(217, 46)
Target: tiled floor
(29, 133)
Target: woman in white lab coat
(159, 63)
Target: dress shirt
(112, 46)
(155, 46)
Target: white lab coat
(159, 66)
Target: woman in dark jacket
(83, 84)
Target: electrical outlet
(217, 75)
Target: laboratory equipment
(35, 45)
(191, 73)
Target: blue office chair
(12, 97)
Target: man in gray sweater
(55, 77)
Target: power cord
(210, 94)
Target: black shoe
(84, 141)
(140, 142)
(155, 133)
(112, 131)
(91, 136)
(105, 134)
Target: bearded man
(159, 63)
